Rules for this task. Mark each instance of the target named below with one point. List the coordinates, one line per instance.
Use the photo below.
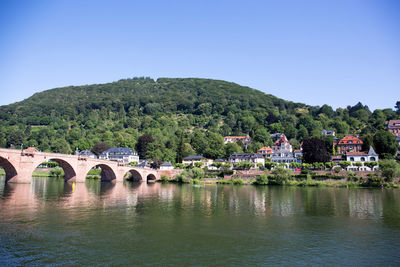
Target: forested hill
(183, 116)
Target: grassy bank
(287, 178)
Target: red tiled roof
(298, 150)
(394, 123)
(266, 148)
(357, 154)
(235, 137)
(347, 139)
(31, 149)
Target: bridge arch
(151, 177)
(10, 170)
(134, 175)
(69, 171)
(107, 173)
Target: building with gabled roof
(362, 156)
(394, 127)
(233, 139)
(265, 151)
(120, 154)
(191, 160)
(254, 158)
(350, 144)
(87, 153)
(166, 166)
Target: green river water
(94, 223)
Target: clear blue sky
(335, 52)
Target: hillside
(184, 116)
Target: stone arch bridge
(20, 164)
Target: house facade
(283, 156)
(166, 166)
(282, 144)
(328, 132)
(394, 127)
(350, 144)
(254, 158)
(120, 154)
(191, 160)
(362, 156)
(233, 139)
(266, 151)
(87, 153)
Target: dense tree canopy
(183, 116)
(316, 150)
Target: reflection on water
(232, 225)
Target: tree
(155, 164)
(385, 144)
(282, 175)
(390, 169)
(261, 179)
(315, 150)
(371, 164)
(100, 147)
(142, 144)
(231, 148)
(344, 164)
(57, 172)
(397, 107)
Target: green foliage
(262, 179)
(281, 175)
(183, 116)
(385, 144)
(371, 164)
(56, 172)
(390, 169)
(164, 178)
(198, 164)
(344, 164)
(337, 169)
(244, 165)
(238, 181)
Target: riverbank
(371, 183)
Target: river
(94, 223)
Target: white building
(120, 154)
(166, 166)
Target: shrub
(282, 175)
(237, 181)
(164, 178)
(196, 173)
(337, 169)
(196, 181)
(57, 172)
(261, 180)
(390, 169)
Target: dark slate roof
(86, 153)
(166, 164)
(371, 152)
(195, 157)
(220, 160)
(119, 150)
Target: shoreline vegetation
(279, 176)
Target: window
(362, 159)
(351, 159)
(372, 159)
